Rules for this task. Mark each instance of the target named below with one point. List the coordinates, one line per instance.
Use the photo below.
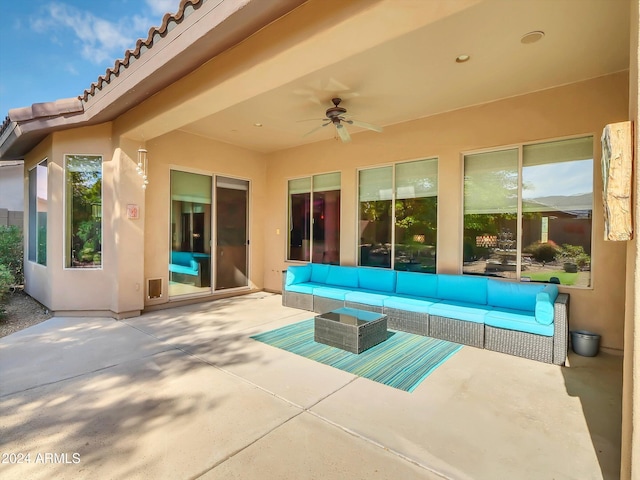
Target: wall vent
(154, 288)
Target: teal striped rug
(402, 361)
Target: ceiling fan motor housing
(334, 112)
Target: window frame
(520, 147)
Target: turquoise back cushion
(417, 284)
(513, 295)
(319, 272)
(343, 276)
(378, 279)
(544, 304)
(462, 288)
(298, 274)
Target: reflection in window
(314, 219)
(556, 202)
(83, 179)
(408, 193)
(38, 200)
(557, 208)
(490, 213)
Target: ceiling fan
(337, 116)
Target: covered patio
(185, 393)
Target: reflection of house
(568, 219)
(11, 192)
(217, 91)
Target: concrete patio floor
(185, 393)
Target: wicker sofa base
(459, 331)
(405, 321)
(302, 301)
(520, 344)
(363, 306)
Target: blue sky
(57, 49)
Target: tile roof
(155, 33)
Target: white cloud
(101, 40)
(160, 7)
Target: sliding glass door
(232, 199)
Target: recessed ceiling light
(532, 37)
(257, 124)
(462, 58)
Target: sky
(56, 49)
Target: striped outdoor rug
(402, 361)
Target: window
(405, 197)
(314, 219)
(528, 212)
(83, 238)
(38, 200)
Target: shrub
(575, 254)
(543, 252)
(6, 282)
(11, 252)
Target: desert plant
(11, 252)
(543, 252)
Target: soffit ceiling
(415, 75)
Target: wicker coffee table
(350, 329)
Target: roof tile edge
(177, 18)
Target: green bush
(11, 252)
(6, 282)
(543, 252)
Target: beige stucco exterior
(136, 250)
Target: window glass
(314, 219)
(557, 211)
(375, 214)
(299, 219)
(416, 208)
(326, 218)
(490, 213)
(83, 179)
(38, 199)
(555, 198)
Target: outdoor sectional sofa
(524, 319)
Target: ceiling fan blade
(366, 125)
(316, 129)
(343, 133)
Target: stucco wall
(577, 109)
(182, 151)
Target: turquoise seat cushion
(517, 320)
(462, 288)
(297, 274)
(417, 284)
(334, 293)
(306, 287)
(380, 279)
(340, 276)
(513, 295)
(468, 312)
(183, 269)
(367, 298)
(319, 272)
(409, 304)
(544, 309)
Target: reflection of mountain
(572, 204)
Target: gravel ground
(22, 311)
